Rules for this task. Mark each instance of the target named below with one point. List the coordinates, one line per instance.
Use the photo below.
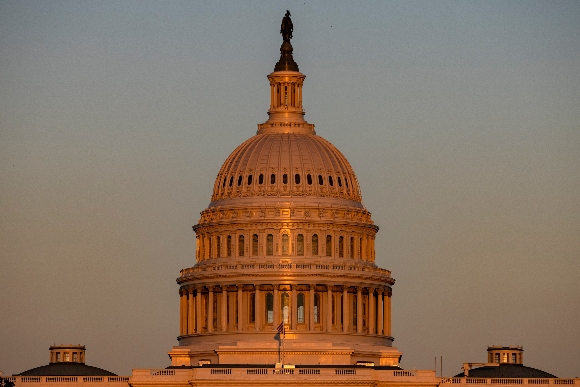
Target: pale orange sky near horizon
(460, 119)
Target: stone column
(190, 313)
(311, 309)
(210, 310)
(345, 314)
(199, 325)
(386, 313)
(276, 308)
(240, 308)
(359, 317)
(258, 311)
(224, 309)
(182, 311)
(294, 309)
(371, 310)
(380, 313)
(329, 308)
(389, 313)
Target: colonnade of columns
(308, 307)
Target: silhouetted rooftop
(66, 369)
(506, 371)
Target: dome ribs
(303, 154)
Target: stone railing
(506, 381)
(77, 380)
(320, 268)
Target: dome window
(285, 249)
(231, 181)
(261, 178)
(255, 244)
(240, 246)
(346, 182)
(224, 183)
(330, 181)
(285, 178)
(239, 180)
(297, 178)
(309, 179)
(340, 246)
(329, 246)
(249, 179)
(314, 244)
(320, 180)
(229, 246)
(273, 178)
(270, 244)
(300, 244)
(339, 182)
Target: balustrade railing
(282, 266)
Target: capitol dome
(285, 251)
(286, 165)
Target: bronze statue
(287, 27)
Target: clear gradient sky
(460, 118)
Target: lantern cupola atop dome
(286, 114)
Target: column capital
(191, 290)
(293, 286)
(257, 287)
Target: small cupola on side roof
(67, 353)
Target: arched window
(249, 179)
(284, 244)
(360, 246)
(300, 244)
(285, 178)
(261, 178)
(285, 307)
(231, 181)
(309, 179)
(330, 181)
(316, 310)
(352, 247)
(339, 181)
(239, 180)
(320, 180)
(224, 183)
(219, 247)
(255, 244)
(229, 246)
(297, 178)
(240, 246)
(300, 302)
(270, 244)
(329, 246)
(273, 178)
(314, 244)
(340, 246)
(269, 308)
(210, 247)
(252, 311)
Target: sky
(461, 120)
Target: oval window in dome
(297, 178)
(285, 178)
(339, 182)
(224, 183)
(239, 180)
(320, 180)
(330, 181)
(249, 179)
(309, 179)
(273, 178)
(231, 181)
(261, 178)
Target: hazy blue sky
(460, 118)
